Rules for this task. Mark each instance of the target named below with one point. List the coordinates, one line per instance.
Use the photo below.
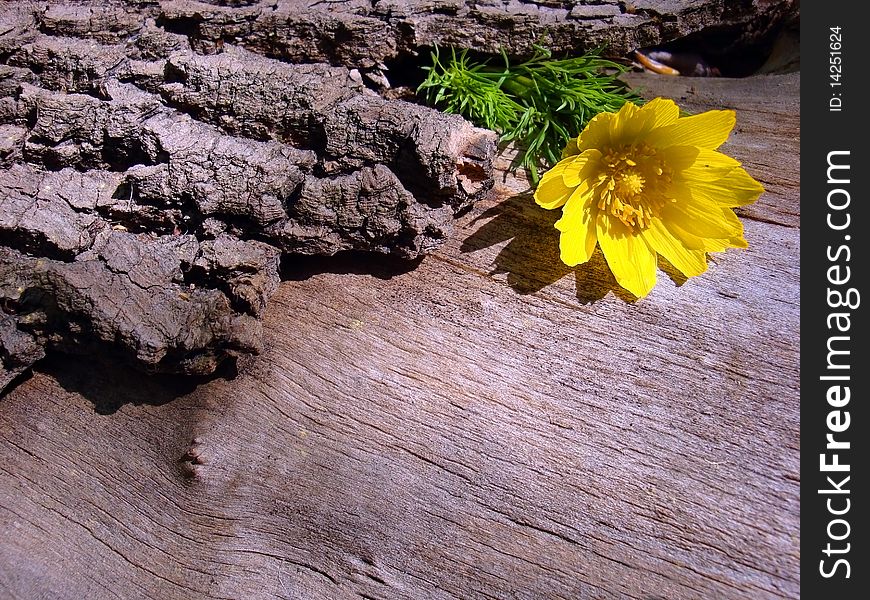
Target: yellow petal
(631, 260)
(706, 130)
(629, 125)
(580, 168)
(690, 262)
(727, 186)
(737, 188)
(665, 110)
(708, 163)
(656, 113)
(570, 148)
(552, 191)
(695, 242)
(577, 241)
(679, 158)
(690, 240)
(597, 132)
(735, 242)
(623, 123)
(699, 215)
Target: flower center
(632, 184)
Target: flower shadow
(531, 258)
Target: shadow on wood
(109, 384)
(531, 257)
(296, 267)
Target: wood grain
(486, 423)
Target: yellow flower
(643, 182)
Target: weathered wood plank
(488, 424)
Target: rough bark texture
(147, 191)
(366, 33)
(490, 424)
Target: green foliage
(540, 103)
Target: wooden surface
(484, 424)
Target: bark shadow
(298, 267)
(15, 382)
(531, 258)
(109, 384)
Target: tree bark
(147, 192)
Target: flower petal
(737, 188)
(690, 262)
(666, 110)
(552, 191)
(706, 130)
(621, 126)
(581, 167)
(695, 242)
(679, 158)
(708, 163)
(578, 238)
(630, 124)
(656, 113)
(699, 215)
(570, 148)
(727, 186)
(630, 258)
(597, 132)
